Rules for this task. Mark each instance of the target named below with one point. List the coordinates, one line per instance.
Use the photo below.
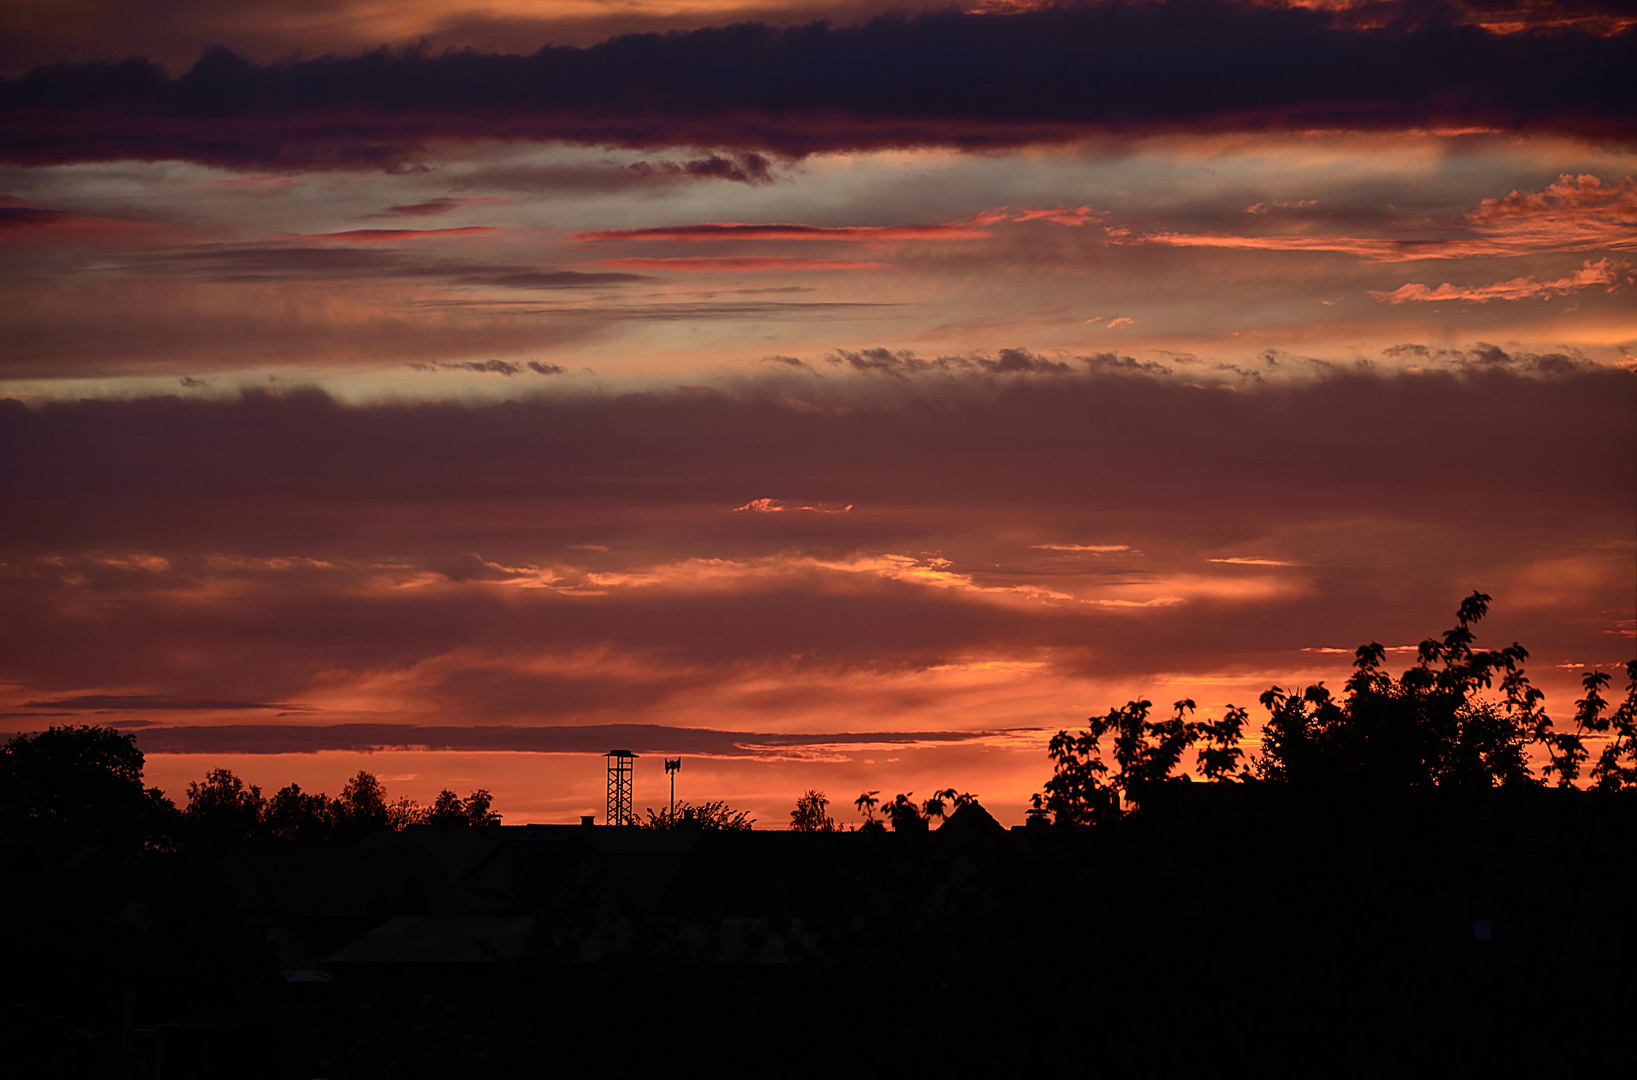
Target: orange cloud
(1601, 272)
(725, 230)
(775, 506)
(972, 228)
(1093, 549)
(745, 264)
(1577, 213)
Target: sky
(839, 397)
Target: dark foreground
(1224, 929)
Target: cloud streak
(576, 739)
(1601, 272)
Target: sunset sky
(460, 392)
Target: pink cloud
(775, 506)
(1576, 213)
(1601, 272)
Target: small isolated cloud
(1060, 215)
(745, 264)
(1601, 272)
(745, 168)
(1115, 324)
(1091, 549)
(1289, 204)
(258, 183)
(903, 362)
(445, 205)
(732, 230)
(492, 367)
(778, 506)
(1245, 560)
(155, 703)
(1577, 213)
(1329, 650)
(387, 236)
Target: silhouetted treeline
(1431, 726)
(68, 786)
(1384, 886)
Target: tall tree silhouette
(1085, 790)
(1429, 726)
(71, 784)
(809, 814)
(222, 810)
(1432, 725)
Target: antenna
(620, 763)
(672, 767)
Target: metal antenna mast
(619, 787)
(672, 767)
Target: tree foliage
(716, 814)
(71, 784)
(904, 814)
(1084, 789)
(450, 809)
(1461, 716)
(810, 814)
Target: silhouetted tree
(450, 809)
(71, 784)
(293, 815)
(866, 804)
(809, 814)
(1084, 790)
(1427, 727)
(362, 805)
(1616, 766)
(706, 815)
(222, 811)
(905, 815)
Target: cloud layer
(956, 79)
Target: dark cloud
(492, 367)
(14, 216)
(904, 362)
(585, 739)
(948, 78)
(155, 702)
(742, 168)
(429, 208)
(303, 262)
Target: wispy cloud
(1575, 213)
(732, 264)
(1090, 549)
(775, 506)
(1601, 272)
(386, 236)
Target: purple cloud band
(949, 78)
(581, 739)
